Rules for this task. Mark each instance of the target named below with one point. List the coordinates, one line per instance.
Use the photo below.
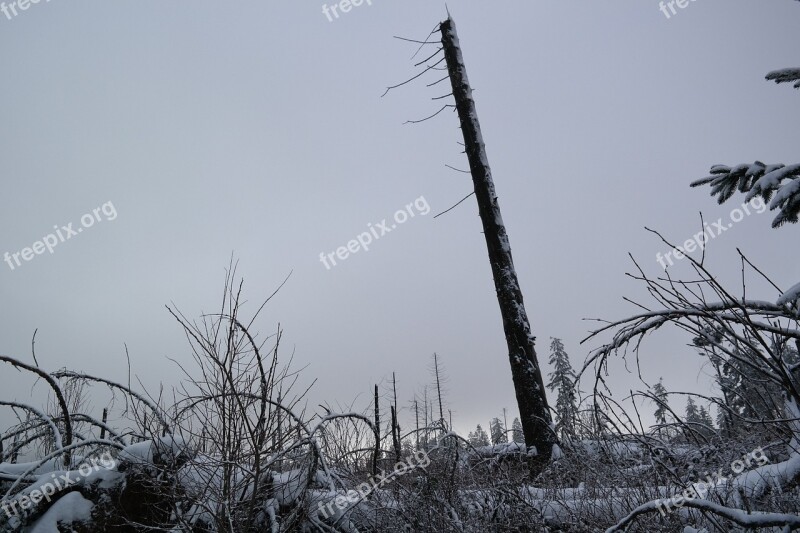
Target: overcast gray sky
(256, 128)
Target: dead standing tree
(528, 383)
(526, 373)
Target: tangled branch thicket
(234, 450)
(750, 346)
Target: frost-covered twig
(753, 519)
(156, 411)
(36, 464)
(43, 417)
(59, 396)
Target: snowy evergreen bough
(777, 184)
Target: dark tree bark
(438, 386)
(526, 373)
(395, 435)
(395, 423)
(377, 455)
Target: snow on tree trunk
(527, 376)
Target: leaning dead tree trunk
(528, 384)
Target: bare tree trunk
(377, 453)
(15, 449)
(425, 407)
(416, 415)
(526, 373)
(395, 422)
(395, 435)
(105, 420)
(438, 385)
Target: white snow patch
(70, 508)
(789, 297)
